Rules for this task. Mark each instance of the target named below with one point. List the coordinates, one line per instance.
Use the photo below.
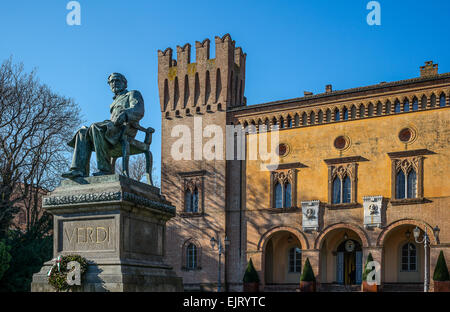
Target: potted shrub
(441, 276)
(366, 287)
(251, 278)
(307, 279)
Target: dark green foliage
(441, 271)
(251, 276)
(58, 279)
(5, 258)
(28, 251)
(366, 269)
(307, 274)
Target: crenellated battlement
(205, 86)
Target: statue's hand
(121, 119)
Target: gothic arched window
(289, 121)
(442, 100)
(278, 200)
(415, 104)
(379, 109)
(342, 190)
(400, 185)
(195, 201)
(346, 190)
(312, 118)
(388, 107)
(328, 116)
(188, 201)
(397, 107)
(412, 184)
(433, 100)
(304, 119)
(370, 110)
(345, 113)
(424, 102)
(362, 111)
(336, 190)
(191, 257)
(406, 105)
(337, 115)
(287, 195)
(320, 116)
(353, 112)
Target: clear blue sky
(291, 46)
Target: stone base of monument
(118, 225)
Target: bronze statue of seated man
(105, 137)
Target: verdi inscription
(87, 235)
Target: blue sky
(291, 46)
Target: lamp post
(426, 242)
(220, 248)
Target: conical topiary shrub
(367, 270)
(366, 287)
(441, 271)
(251, 278)
(307, 274)
(307, 279)
(250, 275)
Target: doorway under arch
(341, 257)
(282, 259)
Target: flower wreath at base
(57, 275)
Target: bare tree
(35, 124)
(136, 168)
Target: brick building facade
(358, 170)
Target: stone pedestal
(119, 225)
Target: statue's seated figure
(104, 138)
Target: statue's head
(117, 82)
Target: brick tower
(194, 97)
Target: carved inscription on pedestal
(87, 235)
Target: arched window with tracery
(283, 188)
(192, 191)
(406, 177)
(342, 183)
(342, 187)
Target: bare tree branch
(35, 124)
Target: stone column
(118, 225)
